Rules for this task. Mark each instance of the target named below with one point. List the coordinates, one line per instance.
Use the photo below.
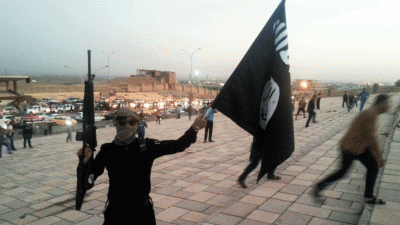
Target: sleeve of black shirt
(168, 147)
(99, 162)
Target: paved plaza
(198, 186)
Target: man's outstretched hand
(199, 122)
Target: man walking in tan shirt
(360, 143)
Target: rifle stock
(85, 179)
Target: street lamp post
(191, 61)
(75, 72)
(108, 65)
(100, 69)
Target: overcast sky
(328, 40)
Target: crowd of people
(349, 100)
(130, 152)
(7, 136)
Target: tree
(398, 83)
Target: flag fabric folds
(257, 96)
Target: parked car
(109, 116)
(17, 121)
(103, 106)
(62, 120)
(7, 118)
(51, 116)
(43, 116)
(37, 109)
(31, 117)
(10, 110)
(79, 116)
(64, 108)
(98, 118)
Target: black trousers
(344, 101)
(29, 142)
(130, 215)
(301, 110)
(367, 159)
(253, 164)
(209, 128)
(311, 115)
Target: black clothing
(129, 171)
(311, 105)
(301, 110)
(318, 102)
(190, 110)
(27, 135)
(255, 158)
(367, 159)
(121, 215)
(209, 127)
(344, 100)
(311, 113)
(351, 99)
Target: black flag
(257, 96)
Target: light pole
(75, 72)
(108, 64)
(100, 69)
(191, 61)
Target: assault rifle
(88, 136)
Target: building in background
(302, 87)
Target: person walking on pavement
(255, 158)
(179, 112)
(356, 98)
(142, 127)
(351, 102)
(4, 142)
(360, 143)
(210, 124)
(27, 134)
(302, 107)
(49, 128)
(69, 130)
(10, 134)
(310, 110)
(158, 117)
(190, 111)
(345, 98)
(124, 158)
(319, 100)
(363, 98)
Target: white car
(79, 117)
(37, 109)
(54, 115)
(6, 118)
(10, 110)
(98, 118)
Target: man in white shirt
(10, 134)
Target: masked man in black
(129, 168)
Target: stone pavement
(198, 186)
